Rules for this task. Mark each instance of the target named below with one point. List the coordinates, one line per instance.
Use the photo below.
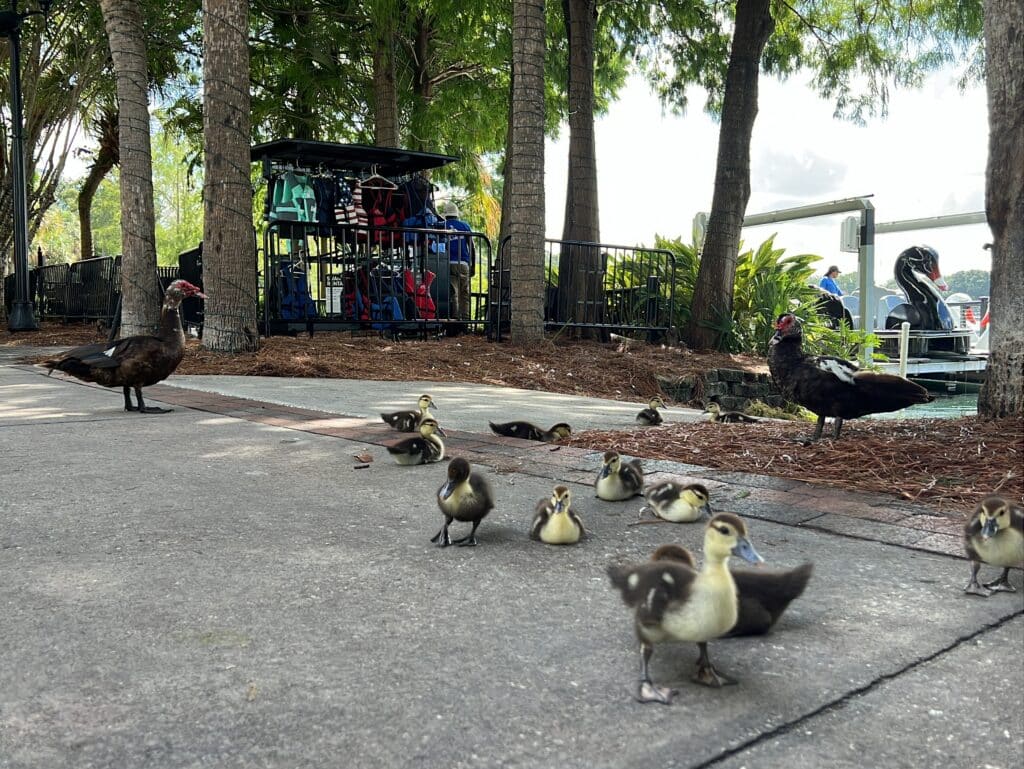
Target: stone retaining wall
(732, 388)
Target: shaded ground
(936, 461)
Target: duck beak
(746, 551)
(706, 508)
(440, 432)
(434, 406)
(604, 472)
(989, 529)
(200, 295)
(559, 506)
(776, 338)
(446, 490)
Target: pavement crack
(841, 702)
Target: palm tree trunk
(1003, 392)
(526, 208)
(140, 292)
(711, 310)
(229, 242)
(580, 272)
(385, 92)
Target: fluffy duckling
(763, 595)
(649, 417)
(465, 496)
(409, 421)
(531, 432)
(994, 534)
(671, 501)
(555, 523)
(619, 480)
(423, 450)
(674, 602)
(715, 414)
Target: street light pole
(21, 317)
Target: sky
(926, 158)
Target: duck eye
(723, 529)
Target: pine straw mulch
(938, 462)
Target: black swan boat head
(917, 273)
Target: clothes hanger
(379, 182)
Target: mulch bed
(940, 462)
(951, 462)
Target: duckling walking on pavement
(763, 594)
(618, 480)
(555, 523)
(423, 450)
(409, 421)
(465, 496)
(994, 535)
(649, 417)
(673, 602)
(675, 502)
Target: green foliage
(974, 283)
(768, 283)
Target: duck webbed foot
(469, 540)
(817, 433)
(646, 690)
(973, 588)
(143, 408)
(1001, 585)
(441, 539)
(706, 675)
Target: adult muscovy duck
(833, 387)
(917, 273)
(136, 361)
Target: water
(943, 407)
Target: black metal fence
(609, 288)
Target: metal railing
(85, 290)
(600, 286)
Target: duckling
(423, 450)
(409, 421)
(674, 602)
(619, 480)
(715, 414)
(555, 523)
(650, 416)
(531, 432)
(763, 595)
(995, 535)
(671, 501)
(465, 496)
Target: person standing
(828, 281)
(461, 261)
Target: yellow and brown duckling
(618, 479)
(465, 496)
(409, 421)
(555, 523)
(676, 502)
(763, 594)
(715, 414)
(423, 450)
(994, 535)
(649, 417)
(529, 431)
(674, 602)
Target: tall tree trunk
(711, 309)
(107, 156)
(140, 292)
(385, 92)
(526, 225)
(580, 272)
(229, 244)
(422, 81)
(1003, 392)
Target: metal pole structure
(21, 317)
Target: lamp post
(21, 317)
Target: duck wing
(411, 446)
(764, 596)
(632, 475)
(649, 417)
(661, 494)
(540, 518)
(403, 421)
(120, 362)
(651, 588)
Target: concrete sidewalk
(221, 586)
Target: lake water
(943, 407)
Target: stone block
(730, 375)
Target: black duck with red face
(135, 361)
(833, 387)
